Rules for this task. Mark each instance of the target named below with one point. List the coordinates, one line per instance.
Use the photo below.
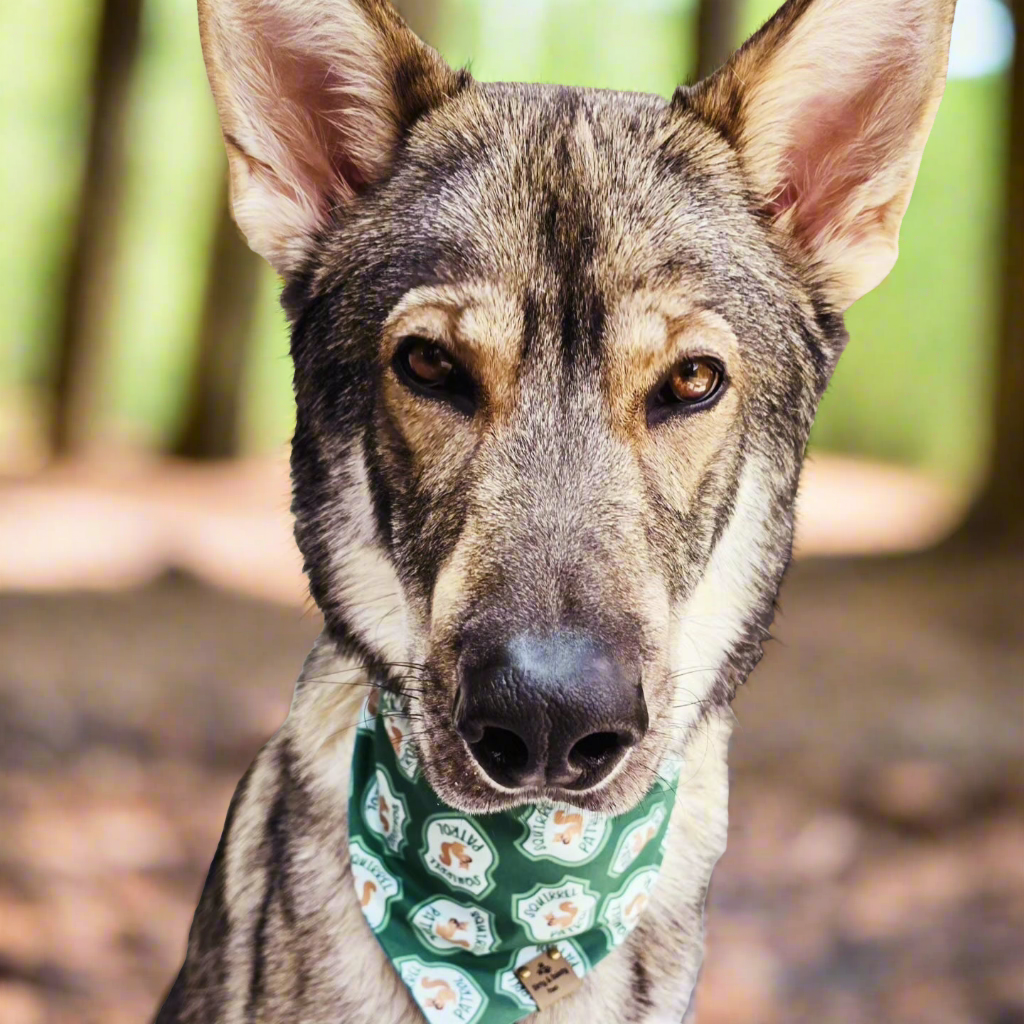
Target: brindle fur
(568, 246)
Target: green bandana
(459, 902)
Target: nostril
(596, 750)
(503, 749)
(466, 725)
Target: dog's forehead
(550, 181)
(571, 201)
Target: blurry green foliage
(914, 385)
(44, 78)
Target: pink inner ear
(322, 91)
(838, 144)
(314, 106)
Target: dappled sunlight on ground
(875, 870)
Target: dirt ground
(875, 871)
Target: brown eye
(427, 363)
(694, 380)
(427, 368)
(692, 385)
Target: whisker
(692, 671)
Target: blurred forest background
(150, 593)
(121, 273)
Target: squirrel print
(565, 919)
(636, 906)
(459, 851)
(641, 839)
(574, 829)
(396, 736)
(448, 931)
(444, 993)
(369, 888)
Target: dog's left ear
(314, 98)
(830, 106)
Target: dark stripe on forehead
(583, 314)
(569, 235)
(531, 325)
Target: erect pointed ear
(314, 97)
(829, 107)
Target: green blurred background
(915, 386)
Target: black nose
(558, 711)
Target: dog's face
(557, 355)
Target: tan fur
(479, 324)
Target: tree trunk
(91, 255)
(210, 430)
(717, 28)
(999, 511)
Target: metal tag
(548, 978)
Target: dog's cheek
(424, 468)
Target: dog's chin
(460, 782)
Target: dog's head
(557, 354)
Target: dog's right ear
(314, 97)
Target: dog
(557, 354)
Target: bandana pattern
(459, 902)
